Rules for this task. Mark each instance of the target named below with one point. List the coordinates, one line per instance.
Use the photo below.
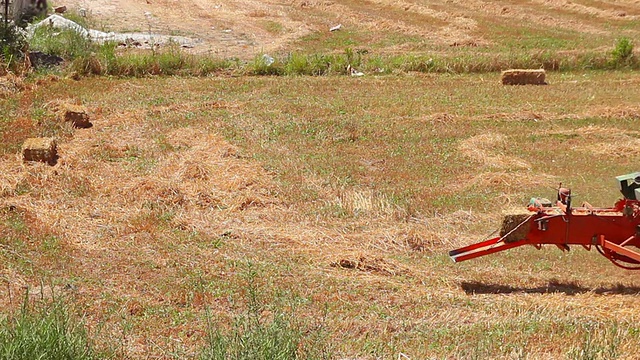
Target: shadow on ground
(474, 288)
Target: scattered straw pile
(368, 202)
(10, 84)
(506, 180)
(523, 77)
(514, 225)
(488, 149)
(40, 149)
(375, 265)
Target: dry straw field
(244, 28)
(343, 195)
(331, 200)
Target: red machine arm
(614, 231)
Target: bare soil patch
(226, 28)
(246, 28)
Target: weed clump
(48, 332)
(255, 336)
(12, 44)
(622, 54)
(67, 43)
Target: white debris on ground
(268, 60)
(142, 40)
(353, 72)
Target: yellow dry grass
(105, 208)
(156, 217)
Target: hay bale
(510, 229)
(524, 77)
(40, 149)
(77, 115)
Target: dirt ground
(246, 28)
(226, 28)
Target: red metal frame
(611, 230)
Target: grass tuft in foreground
(48, 332)
(87, 58)
(174, 62)
(622, 54)
(263, 331)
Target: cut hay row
(631, 112)
(565, 5)
(486, 149)
(506, 180)
(618, 144)
(523, 13)
(624, 147)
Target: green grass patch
(534, 51)
(65, 43)
(45, 331)
(622, 54)
(264, 330)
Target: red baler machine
(614, 232)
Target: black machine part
(628, 185)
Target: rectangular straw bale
(40, 149)
(77, 115)
(512, 218)
(524, 77)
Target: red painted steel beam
(474, 246)
(622, 250)
(476, 250)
